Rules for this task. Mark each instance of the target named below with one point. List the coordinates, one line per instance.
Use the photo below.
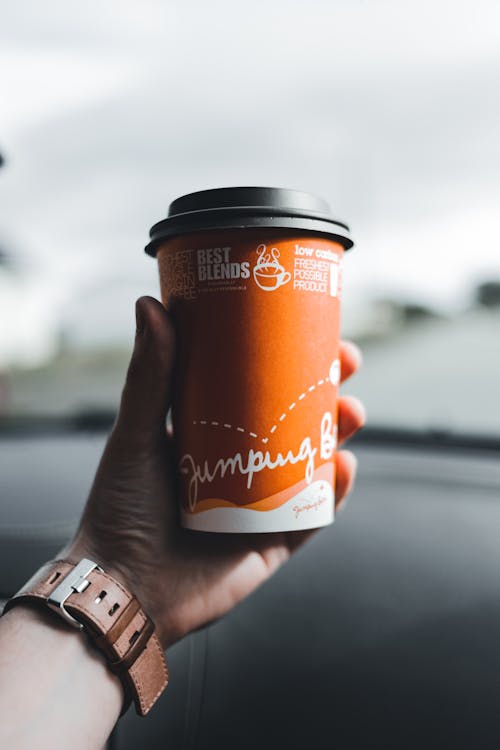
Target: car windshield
(388, 110)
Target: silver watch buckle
(75, 581)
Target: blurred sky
(109, 110)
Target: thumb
(147, 392)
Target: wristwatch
(91, 600)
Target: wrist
(90, 599)
(32, 617)
(133, 580)
(50, 676)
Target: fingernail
(359, 408)
(356, 351)
(354, 469)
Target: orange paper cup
(252, 278)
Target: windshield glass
(388, 110)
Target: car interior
(380, 632)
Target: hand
(183, 579)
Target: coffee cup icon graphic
(268, 273)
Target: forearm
(55, 689)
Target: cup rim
(247, 208)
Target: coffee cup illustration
(268, 273)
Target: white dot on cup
(335, 372)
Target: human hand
(130, 525)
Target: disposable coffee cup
(252, 279)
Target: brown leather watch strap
(112, 617)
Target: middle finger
(351, 416)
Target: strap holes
(113, 609)
(134, 637)
(100, 597)
(54, 578)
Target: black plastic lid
(246, 207)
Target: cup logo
(268, 273)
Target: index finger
(350, 359)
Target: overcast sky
(109, 110)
